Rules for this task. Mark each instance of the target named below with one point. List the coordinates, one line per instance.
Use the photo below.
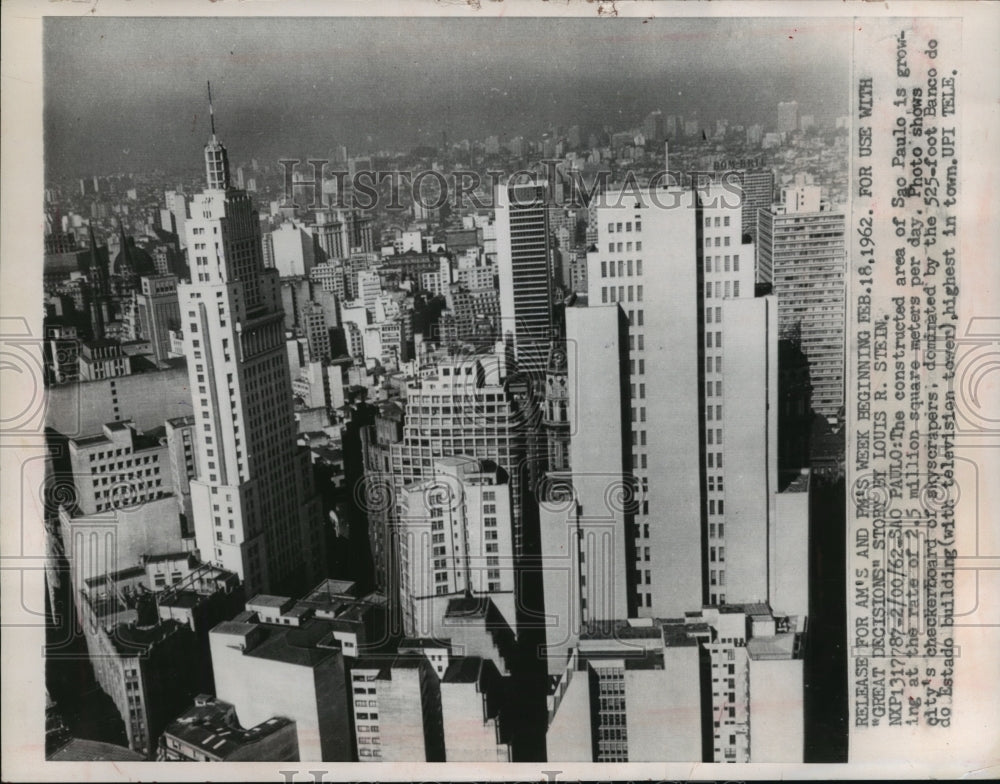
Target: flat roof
(476, 606)
(464, 669)
(186, 599)
(268, 600)
(298, 645)
(174, 556)
(130, 640)
(618, 630)
(424, 642)
(208, 728)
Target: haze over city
(299, 86)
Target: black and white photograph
(607, 385)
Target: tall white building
(254, 506)
(585, 514)
(670, 259)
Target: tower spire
(216, 159)
(126, 269)
(211, 109)
(98, 296)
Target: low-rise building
(210, 731)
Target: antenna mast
(211, 110)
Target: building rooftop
(780, 646)
(80, 750)
(132, 640)
(308, 645)
(175, 556)
(799, 484)
(237, 627)
(268, 600)
(464, 669)
(184, 599)
(424, 643)
(468, 606)
(212, 727)
(122, 574)
(618, 630)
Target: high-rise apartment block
(254, 506)
(524, 262)
(801, 253)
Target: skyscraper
(254, 507)
(802, 254)
(788, 116)
(670, 259)
(524, 261)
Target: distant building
(758, 194)
(158, 312)
(788, 116)
(104, 358)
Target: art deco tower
(254, 506)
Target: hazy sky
(129, 93)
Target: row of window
(617, 227)
(723, 221)
(624, 268)
(722, 291)
(717, 242)
(619, 294)
(722, 263)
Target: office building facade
(254, 506)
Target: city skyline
(384, 446)
(280, 99)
